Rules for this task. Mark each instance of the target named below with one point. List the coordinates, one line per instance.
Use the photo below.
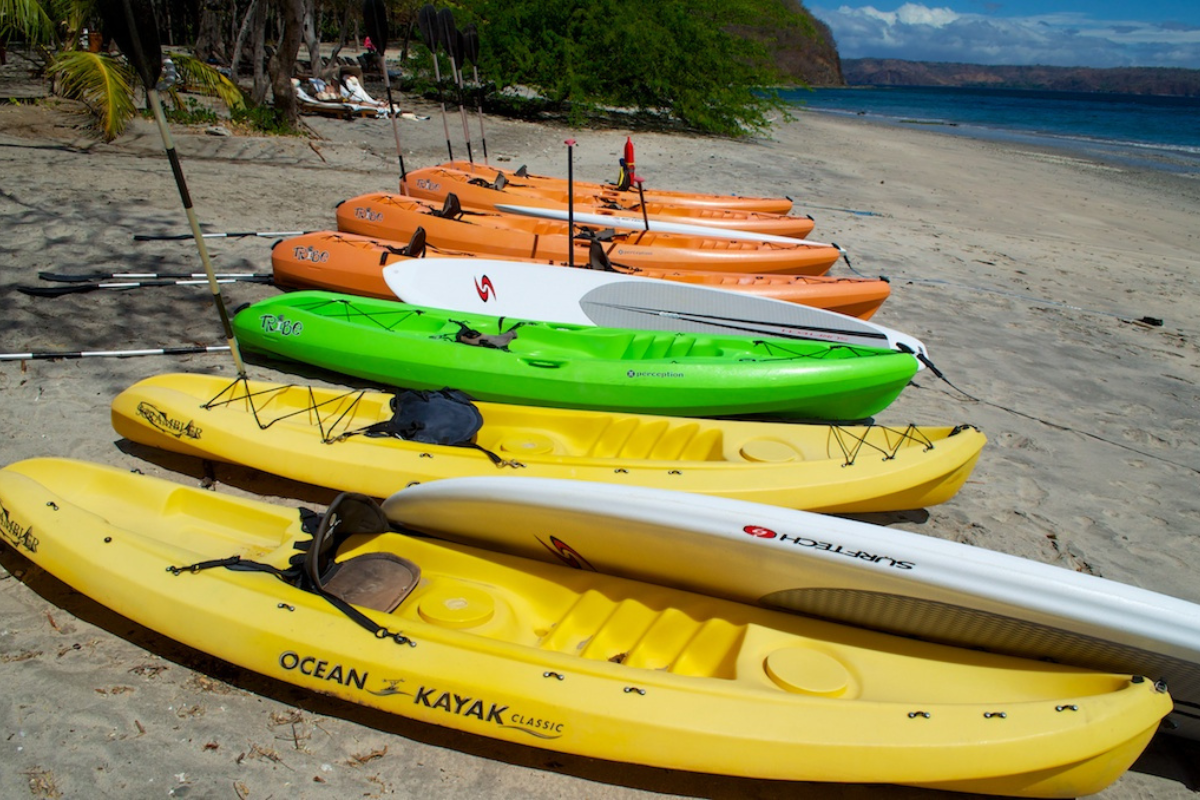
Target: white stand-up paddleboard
(615, 300)
(658, 225)
(828, 567)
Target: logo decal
(636, 374)
(367, 214)
(310, 254)
(567, 554)
(759, 532)
(487, 711)
(392, 687)
(22, 537)
(322, 669)
(484, 288)
(159, 420)
(277, 323)
(430, 697)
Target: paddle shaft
(194, 224)
(161, 351)
(79, 287)
(63, 277)
(437, 75)
(387, 85)
(570, 143)
(146, 237)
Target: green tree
(690, 59)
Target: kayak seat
(659, 440)
(544, 340)
(378, 581)
(451, 209)
(612, 439)
(498, 184)
(652, 346)
(677, 440)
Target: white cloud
(919, 33)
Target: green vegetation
(687, 59)
(264, 119)
(55, 31)
(707, 65)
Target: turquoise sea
(1148, 131)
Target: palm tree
(104, 83)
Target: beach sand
(1024, 271)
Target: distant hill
(805, 53)
(1123, 80)
(812, 60)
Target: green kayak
(525, 362)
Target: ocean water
(1147, 131)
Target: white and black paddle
(375, 22)
(470, 52)
(427, 24)
(132, 23)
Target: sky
(1067, 33)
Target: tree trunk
(259, 91)
(240, 41)
(344, 33)
(311, 40)
(211, 44)
(283, 62)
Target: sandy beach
(1028, 273)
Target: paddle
(470, 48)
(65, 277)
(570, 143)
(376, 25)
(148, 237)
(161, 351)
(427, 24)
(642, 199)
(450, 38)
(137, 36)
(91, 286)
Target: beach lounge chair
(312, 105)
(353, 91)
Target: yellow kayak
(317, 436)
(563, 659)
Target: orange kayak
(497, 235)
(340, 262)
(628, 197)
(486, 193)
(346, 262)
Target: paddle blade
(448, 33)
(470, 44)
(427, 24)
(375, 23)
(134, 27)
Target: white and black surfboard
(825, 566)
(610, 299)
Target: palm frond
(27, 19)
(102, 83)
(201, 77)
